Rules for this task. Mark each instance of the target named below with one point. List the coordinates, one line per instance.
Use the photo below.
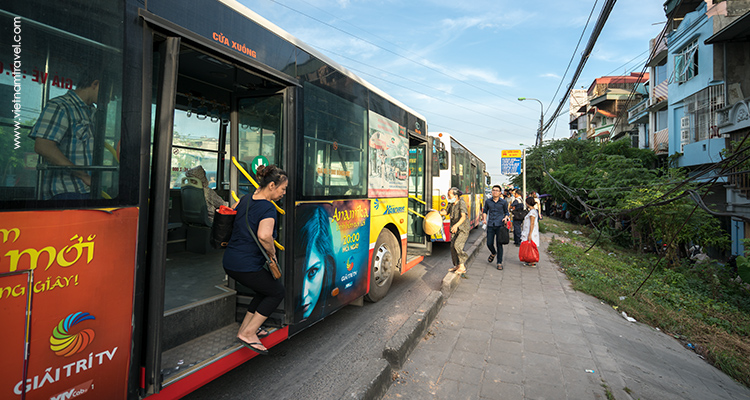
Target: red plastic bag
(528, 252)
(226, 210)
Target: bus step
(197, 353)
(183, 324)
(182, 359)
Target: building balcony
(639, 111)
(660, 142)
(659, 93)
(660, 53)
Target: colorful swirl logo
(64, 343)
(350, 263)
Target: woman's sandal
(491, 258)
(500, 267)
(252, 346)
(261, 333)
(453, 269)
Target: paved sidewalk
(523, 333)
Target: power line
(575, 51)
(421, 84)
(394, 53)
(603, 16)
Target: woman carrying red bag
(529, 252)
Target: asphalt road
(322, 361)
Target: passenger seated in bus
(64, 136)
(319, 268)
(213, 200)
(244, 259)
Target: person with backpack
(519, 213)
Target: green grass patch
(701, 304)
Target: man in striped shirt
(64, 136)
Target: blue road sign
(510, 165)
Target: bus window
(334, 146)
(70, 70)
(260, 134)
(195, 142)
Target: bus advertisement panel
(82, 269)
(390, 212)
(332, 255)
(389, 148)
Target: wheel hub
(382, 265)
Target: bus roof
(449, 136)
(253, 16)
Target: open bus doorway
(207, 111)
(420, 185)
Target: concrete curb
(377, 378)
(405, 340)
(451, 280)
(373, 383)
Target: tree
(618, 186)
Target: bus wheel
(385, 259)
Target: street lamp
(523, 170)
(541, 119)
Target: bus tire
(385, 258)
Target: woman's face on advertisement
(312, 283)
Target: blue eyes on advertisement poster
(312, 271)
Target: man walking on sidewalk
(495, 215)
(519, 214)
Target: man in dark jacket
(495, 214)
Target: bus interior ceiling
(200, 309)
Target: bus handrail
(419, 200)
(415, 213)
(249, 178)
(44, 167)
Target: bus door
(474, 208)
(263, 134)
(208, 108)
(419, 180)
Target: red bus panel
(82, 264)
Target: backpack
(518, 212)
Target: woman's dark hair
(270, 173)
(455, 191)
(531, 201)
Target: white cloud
(550, 75)
(470, 74)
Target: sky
(464, 64)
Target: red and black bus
(114, 292)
